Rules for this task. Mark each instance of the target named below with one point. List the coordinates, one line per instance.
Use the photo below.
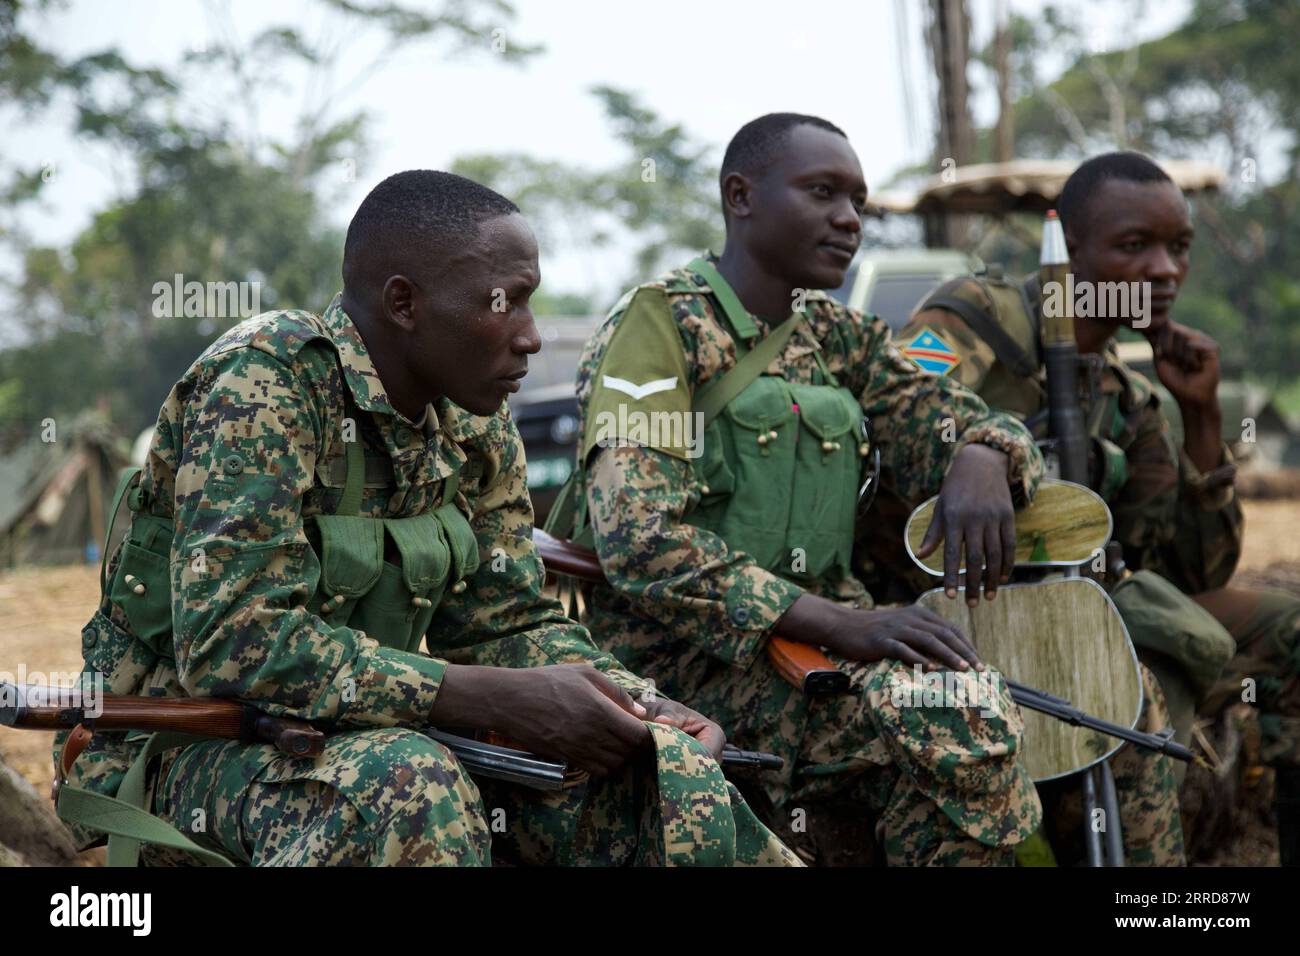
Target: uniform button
(232, 465)
(740, 616)
(704, 490)
(459, 587)
(88, 639)
(404, 436)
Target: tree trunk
(949, 40)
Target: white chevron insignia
(639, 391)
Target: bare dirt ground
(42, 611)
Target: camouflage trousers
(1147, 791)
(397, 797)
(1266, 668)
(942, 785)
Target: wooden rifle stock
(82, 712)
(55, 708)
(803, 665)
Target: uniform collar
(359, 371)
(803, 342)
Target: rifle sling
(986, 327)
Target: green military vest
(393, 603)
(780, 462)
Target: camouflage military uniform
(1171, 521)
(945, 784)
(249, 444)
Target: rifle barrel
(1063, 710)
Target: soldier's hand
(974, 512)
(665, 711)
(1187, 363)
(912, 634)
(572, 712)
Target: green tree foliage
(662, 195)
(1224, 87)
(212, 196)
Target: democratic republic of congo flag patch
(932, 353)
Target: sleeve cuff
(636, 686)
(1024, 460)
(395, 688)
(747, 622)
(1209, 490)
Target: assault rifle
(70, 708)
(807, 668)
(1062, 709)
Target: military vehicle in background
(546, 409)
(890, 283)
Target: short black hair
(412, 211)
(1125, 165)
(757, 144)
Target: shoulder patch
(931, 352)
(640, 393)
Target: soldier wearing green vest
(1176, 515)
(334, 525)
(725, 411)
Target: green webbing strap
(821, 364)
(1008, 352)
(123, 482)
(355, 482)
(124, 817)
(713, 397)
(561, 520)
(741, 321)
(450, 486)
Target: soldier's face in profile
(1135, 232)
(805, 211)
(475, 328)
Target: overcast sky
(708, 64)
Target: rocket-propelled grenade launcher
(1061, 356)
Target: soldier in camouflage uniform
(692, 601)
(1176, 515)
(324, 493)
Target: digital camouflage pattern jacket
(681, 602)
(248, 443)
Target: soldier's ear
(399, 302)
(737, 191)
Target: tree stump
(1227, 805)
(31, 834)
